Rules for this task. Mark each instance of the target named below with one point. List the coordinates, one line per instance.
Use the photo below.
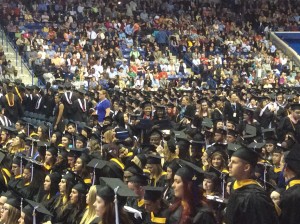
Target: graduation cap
(81, 138)
(232, 133)
(269, 133)
(257, 146)
(221, 131)
(53, 150)
(293, 159)
(139, 178)
(231, 148)
(197, 140)
(81, 91)
(250, 130)
(35, 210)
(207, 123)
(81, 187)
(96, 164)
(146, 104)
(247, 155)
(9, 130)
(153, 193)
(14, 202)
(188, 171)
(154, 159)
(114, 190)
(157, 132)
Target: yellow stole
(87, 181)
(140, 203)
(157, 219)
(277, 169)
(121, 165)
(5, 173)
(11, 104)
(292, 183)
(17, 90)
(242, 183)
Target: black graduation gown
(67, 99)
(159, 217)
(168, 194)
(203, 215)
(30, 100)
(138, 205)
(48, 105)
(285, 126)
(80, 110)
(12, 112)
(290, 204)
(250, 204)
(15, 182)
(217, 115)
(39, 106)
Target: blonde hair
(90, 213)
(109, 136)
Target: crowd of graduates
(169, 156)
(143, 141)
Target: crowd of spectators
(132, 43)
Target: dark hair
(44, 136)
(109, 214)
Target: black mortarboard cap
(152, 193)
(10, 130)
(38, 207)
(250, 130)
(53, 150)
(269, 133)
(257, 146)
(139, 178)
(113, 183)
(81, 91)
(247, 155)
(156, 131)
(231, 148)
(293, 159)
(221, 131)
(81, 187)
(81, 138)
(232, 133)
(174, 165)
(14, 202)
(188, 171)
(153, 159)
(207, 122)
(146, 104)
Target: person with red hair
(188, 207)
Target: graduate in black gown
(80, 107)
(290, 199)
(290, 124)
(248, 202)
(189, 208)
(11, 104)
(156, 208)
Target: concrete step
(16, 60)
